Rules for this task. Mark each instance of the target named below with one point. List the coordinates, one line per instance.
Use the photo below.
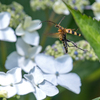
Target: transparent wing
(53, 35)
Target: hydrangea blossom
(28, 31)
(6, 33)
(57, 71)
(23, 57)
(42, 87)
(9, 81)
(96, 9)
(60, 8)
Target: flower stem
(43, 39)
(48, 98)
(3, 53)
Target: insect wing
(54, 35)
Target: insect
(61, 34)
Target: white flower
(28, 30)
(97, 18)
(57, 71)
(42, 87)
(24, 87)
(60, 8)
(97, 0)
(96, 9)
(24, 57)
(9, 80)
(6, 33)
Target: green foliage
(97, 98)
(90, 29)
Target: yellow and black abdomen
(70, 31)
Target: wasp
(61, 34)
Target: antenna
(61, 20)
(49, 21)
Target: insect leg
(75, 45)
(65, 45)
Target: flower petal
(45, 62)
(35, 25)
(27, 22)
(11, 77)
(11, 90)
(39, 94)
(22, 47)
(7, 34)
(97, 1)
(31, 38)
(70, 81)
(37, 74)
(48, 88)
(14, 60)
(34, 51)
(51, 78)
(4, 19)
(19, 30)
(60, 8)
(64, 64)
(28, 64)
(14, 75)
(22, 87)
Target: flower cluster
(96, 9)
(42, 72)
(57, 50)
(41, 4)
(16, 11)
(58, 6)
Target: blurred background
(88, 70)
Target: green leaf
(90, 28)
(96, 98)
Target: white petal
(34, 51)
(48, 88)
(60, 8)
(31, 38)
(24, 87)
(98, 1)
(7, 34)
(28, 64)
(66, 12)
(14, 75)
(35, 25)
(30, 78)
(14, 60)
(4, 19)
(22, 47)
(11, 77)
(27, 22)
(64, 64)
(19, 30)
(37, 74)
(70, 81)
(45, 62)
(51, 78)
(39, 94)
(11, 90)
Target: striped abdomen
(70, 31)
(65, 45)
